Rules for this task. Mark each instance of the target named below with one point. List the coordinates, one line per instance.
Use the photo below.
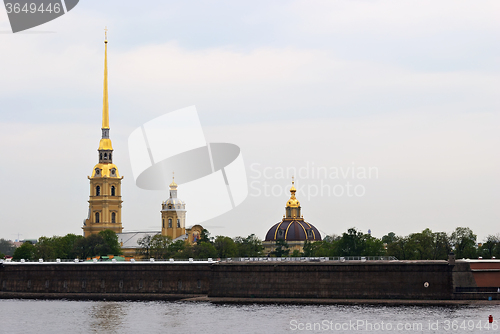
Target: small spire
(292, 189)
(173, 185)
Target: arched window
(113, 191)
(280, 233)
(98, 191)
(110, 156)
(113, 217)
(163, 223)
(105, 156)
(97, 217)
(169, 223)
(100, 156)
(178, 223)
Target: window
(113, 217)
(280, 233)
(113, 191)
(98, 191)
(97, 217)
(309, 233)
(100, 156)
(163, 222)
(110, 156)
(105, 156)
(178, 223)
(169, 223)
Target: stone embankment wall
(106, 278)
(331, 279)
(375, 280)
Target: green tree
(442, 246)
(295, 253)
(373, 246)
(489, 246)
(176, 249)
(423, 244)
(111, 240)
(249, 246)
(401, 248)
(204, 250)
(100, 244)
(159, 246)
(352, 243)
(205, 236)
(281, 249)
(26, 251)
(144, 246)
(6, 247)
(464, 243)
(225, 247)
(389, 238)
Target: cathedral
(105, 201)
(293, 228)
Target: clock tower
(105, 202)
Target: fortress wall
(124, 278)
(376, 280)
(332, 280)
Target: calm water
(29, 316)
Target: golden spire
(105, 143)
(173, 185)
(105, 105)
(293, 202)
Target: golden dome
(105, 170)
(105, 144)
(293, 202)
(173, 185)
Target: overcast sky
(406, 89)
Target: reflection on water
(28, 316)
(106, 317)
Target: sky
(386, 112)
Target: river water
(44, 316)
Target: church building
(105, 201)
(293, 228)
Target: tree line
(70, 246)
(162, 247)
(425, 245)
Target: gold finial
(105, 34)
(173, 185)
(293, 202)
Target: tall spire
(105, 143)
(105, 105)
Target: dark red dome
(290, 229)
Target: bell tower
(105, 202)
(173, 214)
